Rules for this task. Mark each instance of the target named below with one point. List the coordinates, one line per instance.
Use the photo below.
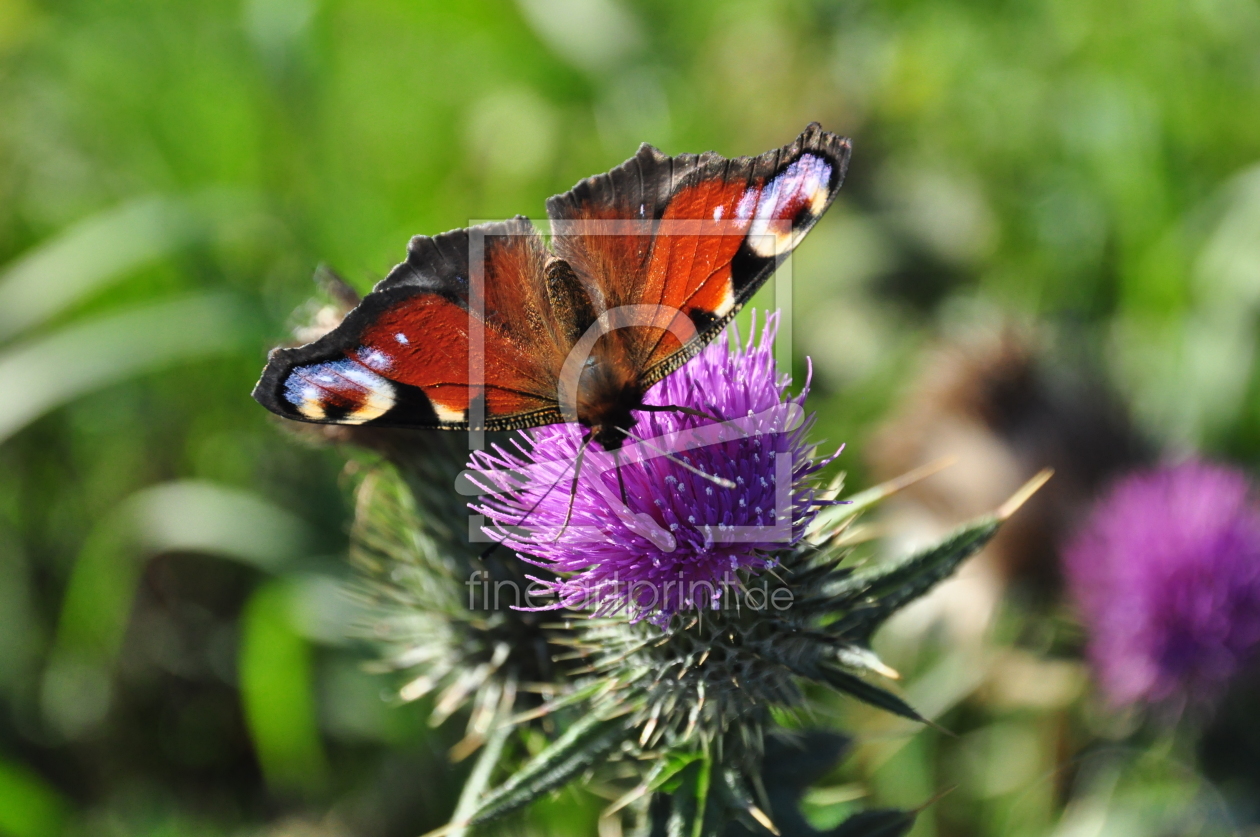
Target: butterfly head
(609, 420)
(610, 437)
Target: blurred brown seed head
(1000, 404)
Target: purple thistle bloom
(681, 538)
(1167, 576)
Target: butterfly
(489, 328)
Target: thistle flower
(642, 530)
(1167, 576)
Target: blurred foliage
(173, 656)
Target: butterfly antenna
(620, 481)
(716, 480)
(676, 408)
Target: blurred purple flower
(681, 539)
(1166, 573)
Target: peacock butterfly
(487, 328)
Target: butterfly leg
(620, 480)
(577, 472)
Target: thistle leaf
(689, 811)
(864, 659)
(669, 767)
(704, 778)
(480, 776)
(574, 751)
(857, 687)
(662, 773)
(876, 595)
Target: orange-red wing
(605, 225)
(473, 329)
(450, 339)
(695, 235)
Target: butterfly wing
(445, 341)
(473, 329)
(694, 235)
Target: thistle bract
(686, 509)
(1167, 576)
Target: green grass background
(171, 172)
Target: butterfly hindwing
(402, 357)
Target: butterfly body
(608, 393)
(488, 328)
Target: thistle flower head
(1166, 573)
(666, 523)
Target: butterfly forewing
(701, 232)
(403, 356)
